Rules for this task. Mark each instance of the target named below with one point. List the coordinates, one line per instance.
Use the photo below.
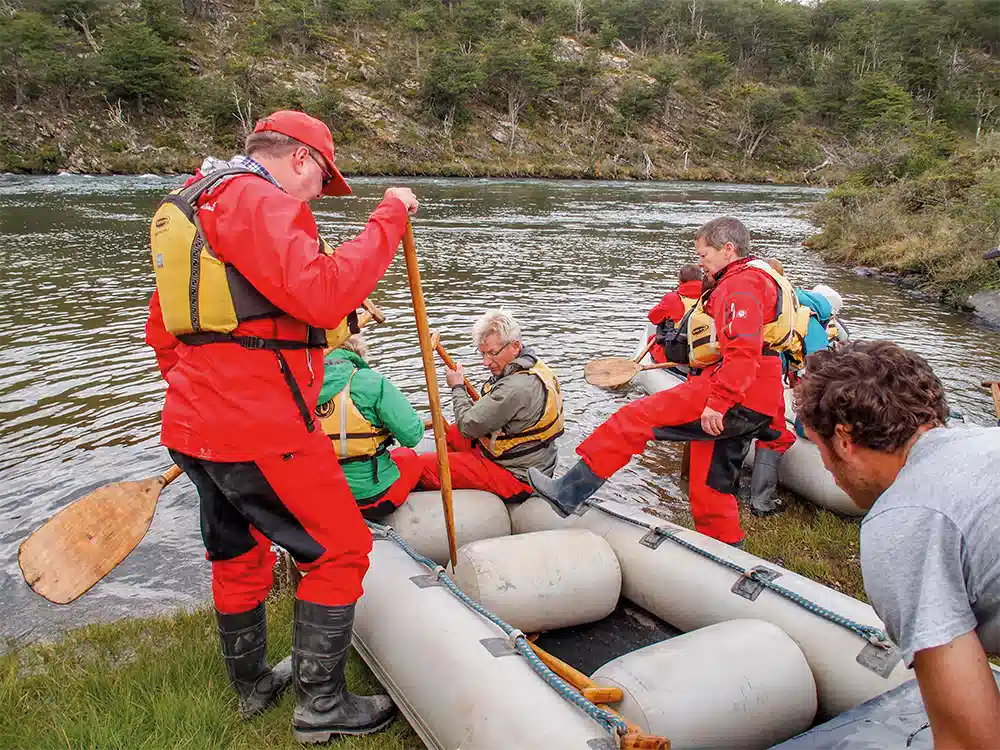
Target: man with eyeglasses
(246, 290)
(512, 428)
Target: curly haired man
(930, 539)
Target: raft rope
(614, 725)
(871, 634)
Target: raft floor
(589, 647)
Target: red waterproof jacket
(228, 403)
(743, 301)
(671, 307)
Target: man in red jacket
(238, 415)
(719, 409)
(671, 309)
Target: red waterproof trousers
(471, 470)
(675, 414)
(410, 468)
(299, 501)
(786, 438)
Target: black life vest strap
(275, 345)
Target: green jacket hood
(338, 366)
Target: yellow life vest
(549, 425)
(203, 299)
(354, 438)
(784, 333)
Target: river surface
(578, 263)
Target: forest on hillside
(924, 71)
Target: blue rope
(871, 634)
(615, 725)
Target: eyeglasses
(327, 177)
(497, 353)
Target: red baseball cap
(313, 133)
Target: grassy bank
(160, 683)
(934, 225)
(152, 683)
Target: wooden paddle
(437, 418)
(994, 386)
(446, 358)
(373, 311)
(84, 541)
(615, 371)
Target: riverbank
(159, 682)
(925, 232)
(39, 140)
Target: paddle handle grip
(660, 366)
(171, 474)
(373, 310)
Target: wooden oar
(614, 371)
(446, 358)
(437, 418)
(994, 386)
(373, 310)
(593, 369)
(84, 541)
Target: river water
(578, 263)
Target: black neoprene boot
(568, 492)
(764, 483)
(325, 708)
(244, 649)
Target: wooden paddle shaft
(373, 310)
(994, 386)
(600, 696)
(646, 350)
(437, 418)
(446, 358)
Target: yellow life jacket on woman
(784, 333)
(203, 299)
(354, 438)
(549, 425)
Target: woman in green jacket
(363, 413)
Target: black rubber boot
(764, 483)
(568, 492)
(244, 649)
(325, 708)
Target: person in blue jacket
(824, 303)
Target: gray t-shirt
(930, 546)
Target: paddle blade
(610, 372)
(84, 541)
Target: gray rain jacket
(512, 405)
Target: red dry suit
(229, 416)
(671, 307)
(745, 386)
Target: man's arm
(491, 412)
(277, 250)
(398, 415)
(960, 694)
(739, 325)
(163, 343)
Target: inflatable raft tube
(451, 671)
(801, 469)
(690, 591)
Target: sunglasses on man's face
(327, 177)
